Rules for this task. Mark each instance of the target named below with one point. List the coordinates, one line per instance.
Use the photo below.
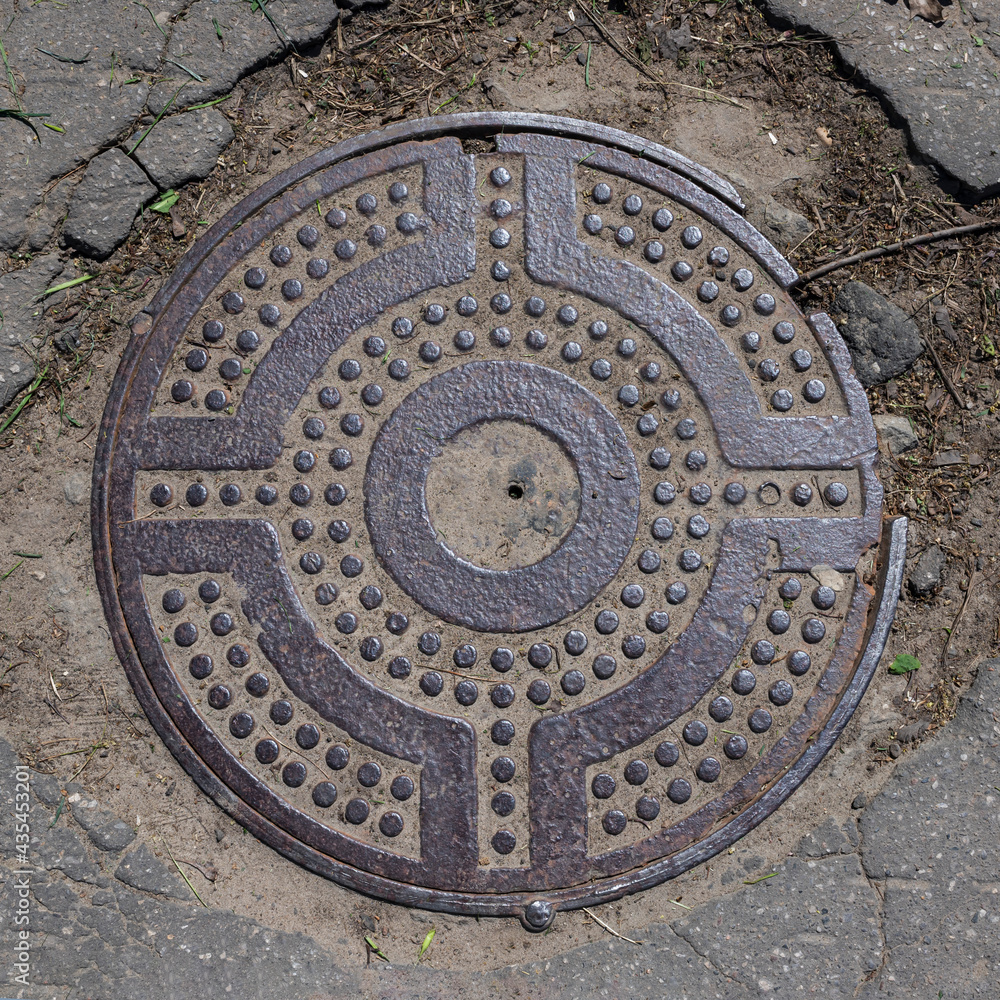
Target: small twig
(135, 728)
(423, 62)
(593, 916)
(940, 234)
(973, 582)
(949, 385)
(55, 709)
(199, 869)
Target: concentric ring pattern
(481, 522)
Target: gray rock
(911, 63)
(114, 835)
(21, 315)
(926, 575)
(826, 839)
(884, 342)
(46, 788)
(930, 835)
(105, 830)
(813, 928)
(896, 432)
(790, 227)
(76, 489)
(913, 731)
(943, 458)
(60, 849)
(67, 339)
(251, 41)
(184, 147)
(140, 869)
(103, 206)
(673, 41)
(859, 801)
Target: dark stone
(884, 342)
(673, 41)
(859, 801)
(925, 576)
(912, 732)
(104, 204)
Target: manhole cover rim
(144, 327)
(463, 125)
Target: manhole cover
(481, 523)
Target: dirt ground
(751, 102)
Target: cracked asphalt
(900, 899)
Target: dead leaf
(827, 576)
(929, 10)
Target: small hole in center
(515, 492)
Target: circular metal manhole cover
(458, 512)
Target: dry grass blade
(597, 920)
(10, 76)
(603, 31)
(948, 384)
(166, 107)
(65, 59)
(182, 872)
(423, 62)
(32, 389)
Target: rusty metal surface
(459, 517)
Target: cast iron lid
(481, 523)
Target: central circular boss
(414, 549)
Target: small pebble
(895, 750)
(860, 801)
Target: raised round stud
(241, 725)
(604, 666)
